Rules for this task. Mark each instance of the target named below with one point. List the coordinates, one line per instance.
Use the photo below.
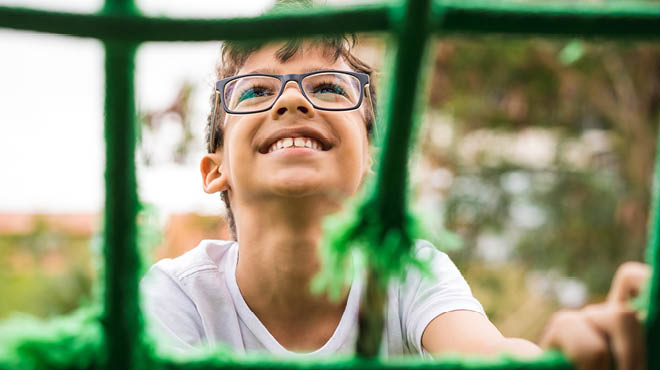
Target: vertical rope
(411, 27)
(122, 319)
(121, 316)
(388, 205)
(371, 320)
(120, 7)
(653, 258)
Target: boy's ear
(214, 179)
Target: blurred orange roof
(24, 223)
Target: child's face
(253, 174)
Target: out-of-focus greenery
(570, 224)
(503, 291)
(539, 154)
(44, 272)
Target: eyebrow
(273, 71)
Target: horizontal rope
(548, 361)
(611, 21)
(139, 28)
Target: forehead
(308, 58)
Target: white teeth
(298, 142)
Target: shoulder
(438, 264)
(425, 249)
(209, 255)
(178, 277)
(175, 289)
(425, 294)
(439, 272)
(186, 298)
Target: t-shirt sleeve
(171, 315)
(424, 297)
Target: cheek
(236, 153)
(239, 134)
(355, 159)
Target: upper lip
(303, 131)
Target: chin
(323, 184)
(298, 187)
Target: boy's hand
(599, 335)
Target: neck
(279, 256)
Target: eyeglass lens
(327, 90)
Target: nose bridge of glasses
(297, 85)
(297, 81)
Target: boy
(288, 142)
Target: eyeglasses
(329, 90)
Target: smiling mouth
(296, 142)
(302, 139)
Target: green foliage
(581, 236)
(45, 272)
(577, 232)
(592, 195)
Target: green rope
(381, 228)
(309, 22)
(611, 20)
(653, 258)
(121, 318)
(72, 342)
(120, 8)
(209, 361)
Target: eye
(328, 88)
(254, 92)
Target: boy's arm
(470, 332)
(591, 337)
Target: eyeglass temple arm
(374, 126)
(212, 147)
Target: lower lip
(294, 151)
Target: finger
(628, 281)
(578, 339)
(625, 333)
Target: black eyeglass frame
(284, 80)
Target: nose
(292, 101)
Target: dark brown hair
(234, 56)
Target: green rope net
(381, 227)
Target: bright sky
(51, 111)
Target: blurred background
(536, 153)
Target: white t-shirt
(194, 300)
